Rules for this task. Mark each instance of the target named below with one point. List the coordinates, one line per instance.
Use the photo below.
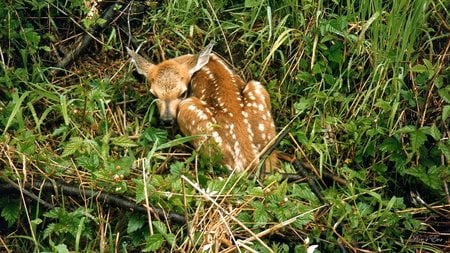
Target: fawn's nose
(167, 122)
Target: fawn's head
(169, 80)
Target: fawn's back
(231, 116)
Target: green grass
(366, 83)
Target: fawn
(207, 98)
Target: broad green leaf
(160, 227)
(444, 147)
(445, 112)
(62, 248)
(406, 129)
(89, 162)
(430, 177)
(303, 191)
(432, 131)
(256, 191)
(390, 144)
(170, 238)
(260, 214)
(10, 212)
(123, 141)
(418, 138)
(445, 93)
(72, 146)
(154, 242)
(60, 130)
(155, 134)
(419, 68)
(302, 105)
(364, 209)
(134, 223)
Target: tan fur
(231, 114)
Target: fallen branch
(78, 191)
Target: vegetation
(361, 85)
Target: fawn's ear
(203, 58)
(142, 65)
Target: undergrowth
(361, 85)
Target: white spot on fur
(217, 137)
(261, 107)
(237, 156)
(261, 127)
(201, 115)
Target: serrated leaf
(304, 192)
(55, 213)
(428, 64)
(154, 242)
(123, 141)
(140, 191)
(61, 248)
(60, 130)
(170, 238)
(134, 223)
(406, 129)
(432, 131)
(160, 227)
(50, 229)
(390, 144)
(445, 112)
(155, 134)
(419, 68)
(89, 162)
(302, 105)
(445, 149)
(445, 93)
(72, 146)
(255, 191)
(260, 214)
(418, 138)
(10, 212)
(430, 177)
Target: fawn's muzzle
(167, 122)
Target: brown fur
(229, 113)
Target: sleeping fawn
(206, 98)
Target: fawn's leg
(257, 107)
(195, 118)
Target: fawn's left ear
(142, 65)
(203, 58)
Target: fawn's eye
(183, 94)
